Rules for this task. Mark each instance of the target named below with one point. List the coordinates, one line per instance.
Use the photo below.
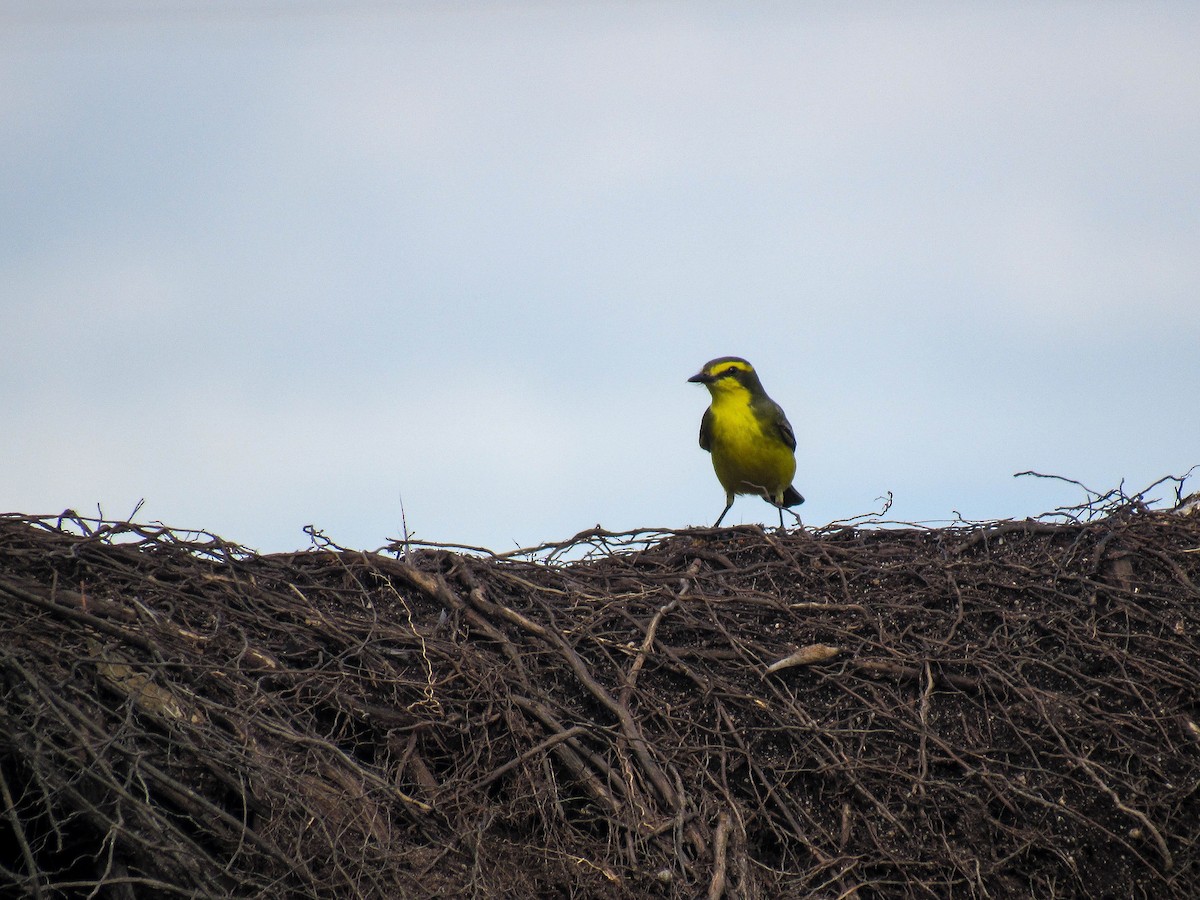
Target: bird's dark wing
(783, 428)
(706, 430)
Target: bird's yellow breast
(747, 453)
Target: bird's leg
(777, 502)
(717, 524)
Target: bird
(750, 439)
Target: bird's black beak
(701, 378)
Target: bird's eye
(732, 370)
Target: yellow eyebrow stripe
(722, 365)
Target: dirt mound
(1002, 709)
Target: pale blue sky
(266, 264)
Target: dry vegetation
(989, 710)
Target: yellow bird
(750, 439)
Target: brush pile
(987, 710)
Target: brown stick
(716, 887)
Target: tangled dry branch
(988, 710)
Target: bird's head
(726, 374)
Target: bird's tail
(791, 497)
